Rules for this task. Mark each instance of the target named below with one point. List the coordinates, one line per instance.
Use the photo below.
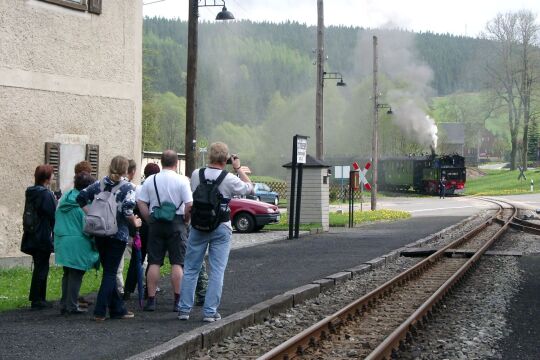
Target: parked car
(263, 192)
(250, 215)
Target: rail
(308, 338)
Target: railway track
(375, 325)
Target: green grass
(502, 182)
(367, 216)
(339, 220)
(15, 284)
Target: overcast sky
(460, 17)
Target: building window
(64, 157)
(93, 6)
(73, 4)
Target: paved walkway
(254, 274)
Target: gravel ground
(472, 324)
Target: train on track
(422, 173)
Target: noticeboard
(301, 149)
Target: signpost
(357, 180)
(342, 172)
(299, 154)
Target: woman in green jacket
(74, 250)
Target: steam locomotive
(422, 173)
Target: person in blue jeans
(217, 242)
(111, 248)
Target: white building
(70, 89)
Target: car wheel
(276, 201)
(258, 198)
(244, 223)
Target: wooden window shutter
(52, 157)
(94, 6)
(92, 156)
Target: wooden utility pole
(375, 136)
(319, 125)
(191, 81)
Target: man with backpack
(211, 228)
(164, 203)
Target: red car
(251, 215)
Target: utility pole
(319, 125)
(375, 136)
(191, 81)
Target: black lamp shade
(225, 14)
(341, 83)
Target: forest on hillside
(256, 88)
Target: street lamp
(385, 106)
(334, 75)
(319, 116)
(191, 79)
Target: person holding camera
(212, 236)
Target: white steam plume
(398, 62)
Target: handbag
(166, 211)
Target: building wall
(70, 77)
(315, 197)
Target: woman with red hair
(37, 240)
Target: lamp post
(319, 136)
(319, 129)
(191, 79)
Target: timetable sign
(301, 150)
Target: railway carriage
(422, 173)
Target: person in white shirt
(166, 186)
(217, 241)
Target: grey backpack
(101, 216)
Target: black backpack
(207, 211)
(31, 217)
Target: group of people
(159, 211)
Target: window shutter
(94, 6)
(92, 156)
(52, 157)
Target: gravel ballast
(471, 322)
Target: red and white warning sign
(362, 174)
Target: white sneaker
(183, 316)
(212, 318)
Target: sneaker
(212, 318)
(183, 316)
(150, 305)
(99, 318)
(127, 315)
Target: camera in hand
(231, 158)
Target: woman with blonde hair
(111, 248)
